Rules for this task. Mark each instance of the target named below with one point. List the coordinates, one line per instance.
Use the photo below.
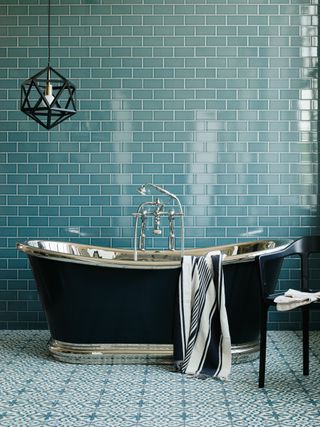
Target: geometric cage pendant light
(48, 97)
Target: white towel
(293, 299)
(202, 340)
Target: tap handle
(156, 229)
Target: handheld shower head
(143, 190)
(146, 189)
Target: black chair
(269, 266)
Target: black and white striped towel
(202, 344)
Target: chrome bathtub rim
(161, 258)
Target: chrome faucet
(172, 237)
(157, 213)
(142, 238)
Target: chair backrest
(269, 265)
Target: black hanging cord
(49, 18)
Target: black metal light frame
(48, 82)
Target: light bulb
(48, 95)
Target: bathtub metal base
(247, 352)
(151, 354)
(125, 354)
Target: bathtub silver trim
(124, 258)
(128, 354)
(125, 354)
(246, 352)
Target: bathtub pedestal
(245, 352)
(150, 354)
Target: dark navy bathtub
(94, 297)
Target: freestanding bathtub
(101, 304)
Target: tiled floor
(36, 391)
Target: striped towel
(202, 344)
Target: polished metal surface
(124, 258)
(158, 211)
(172, 237)
(246, 352)
(111, 353)
(133, 353)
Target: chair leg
(305, 339)
(263, 346)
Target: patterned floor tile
(39, 391)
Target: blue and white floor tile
(36, 390)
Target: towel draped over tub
(202, 344)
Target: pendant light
(48, 97)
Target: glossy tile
(213, 98)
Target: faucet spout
(157, 215)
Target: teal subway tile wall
(214, 99)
